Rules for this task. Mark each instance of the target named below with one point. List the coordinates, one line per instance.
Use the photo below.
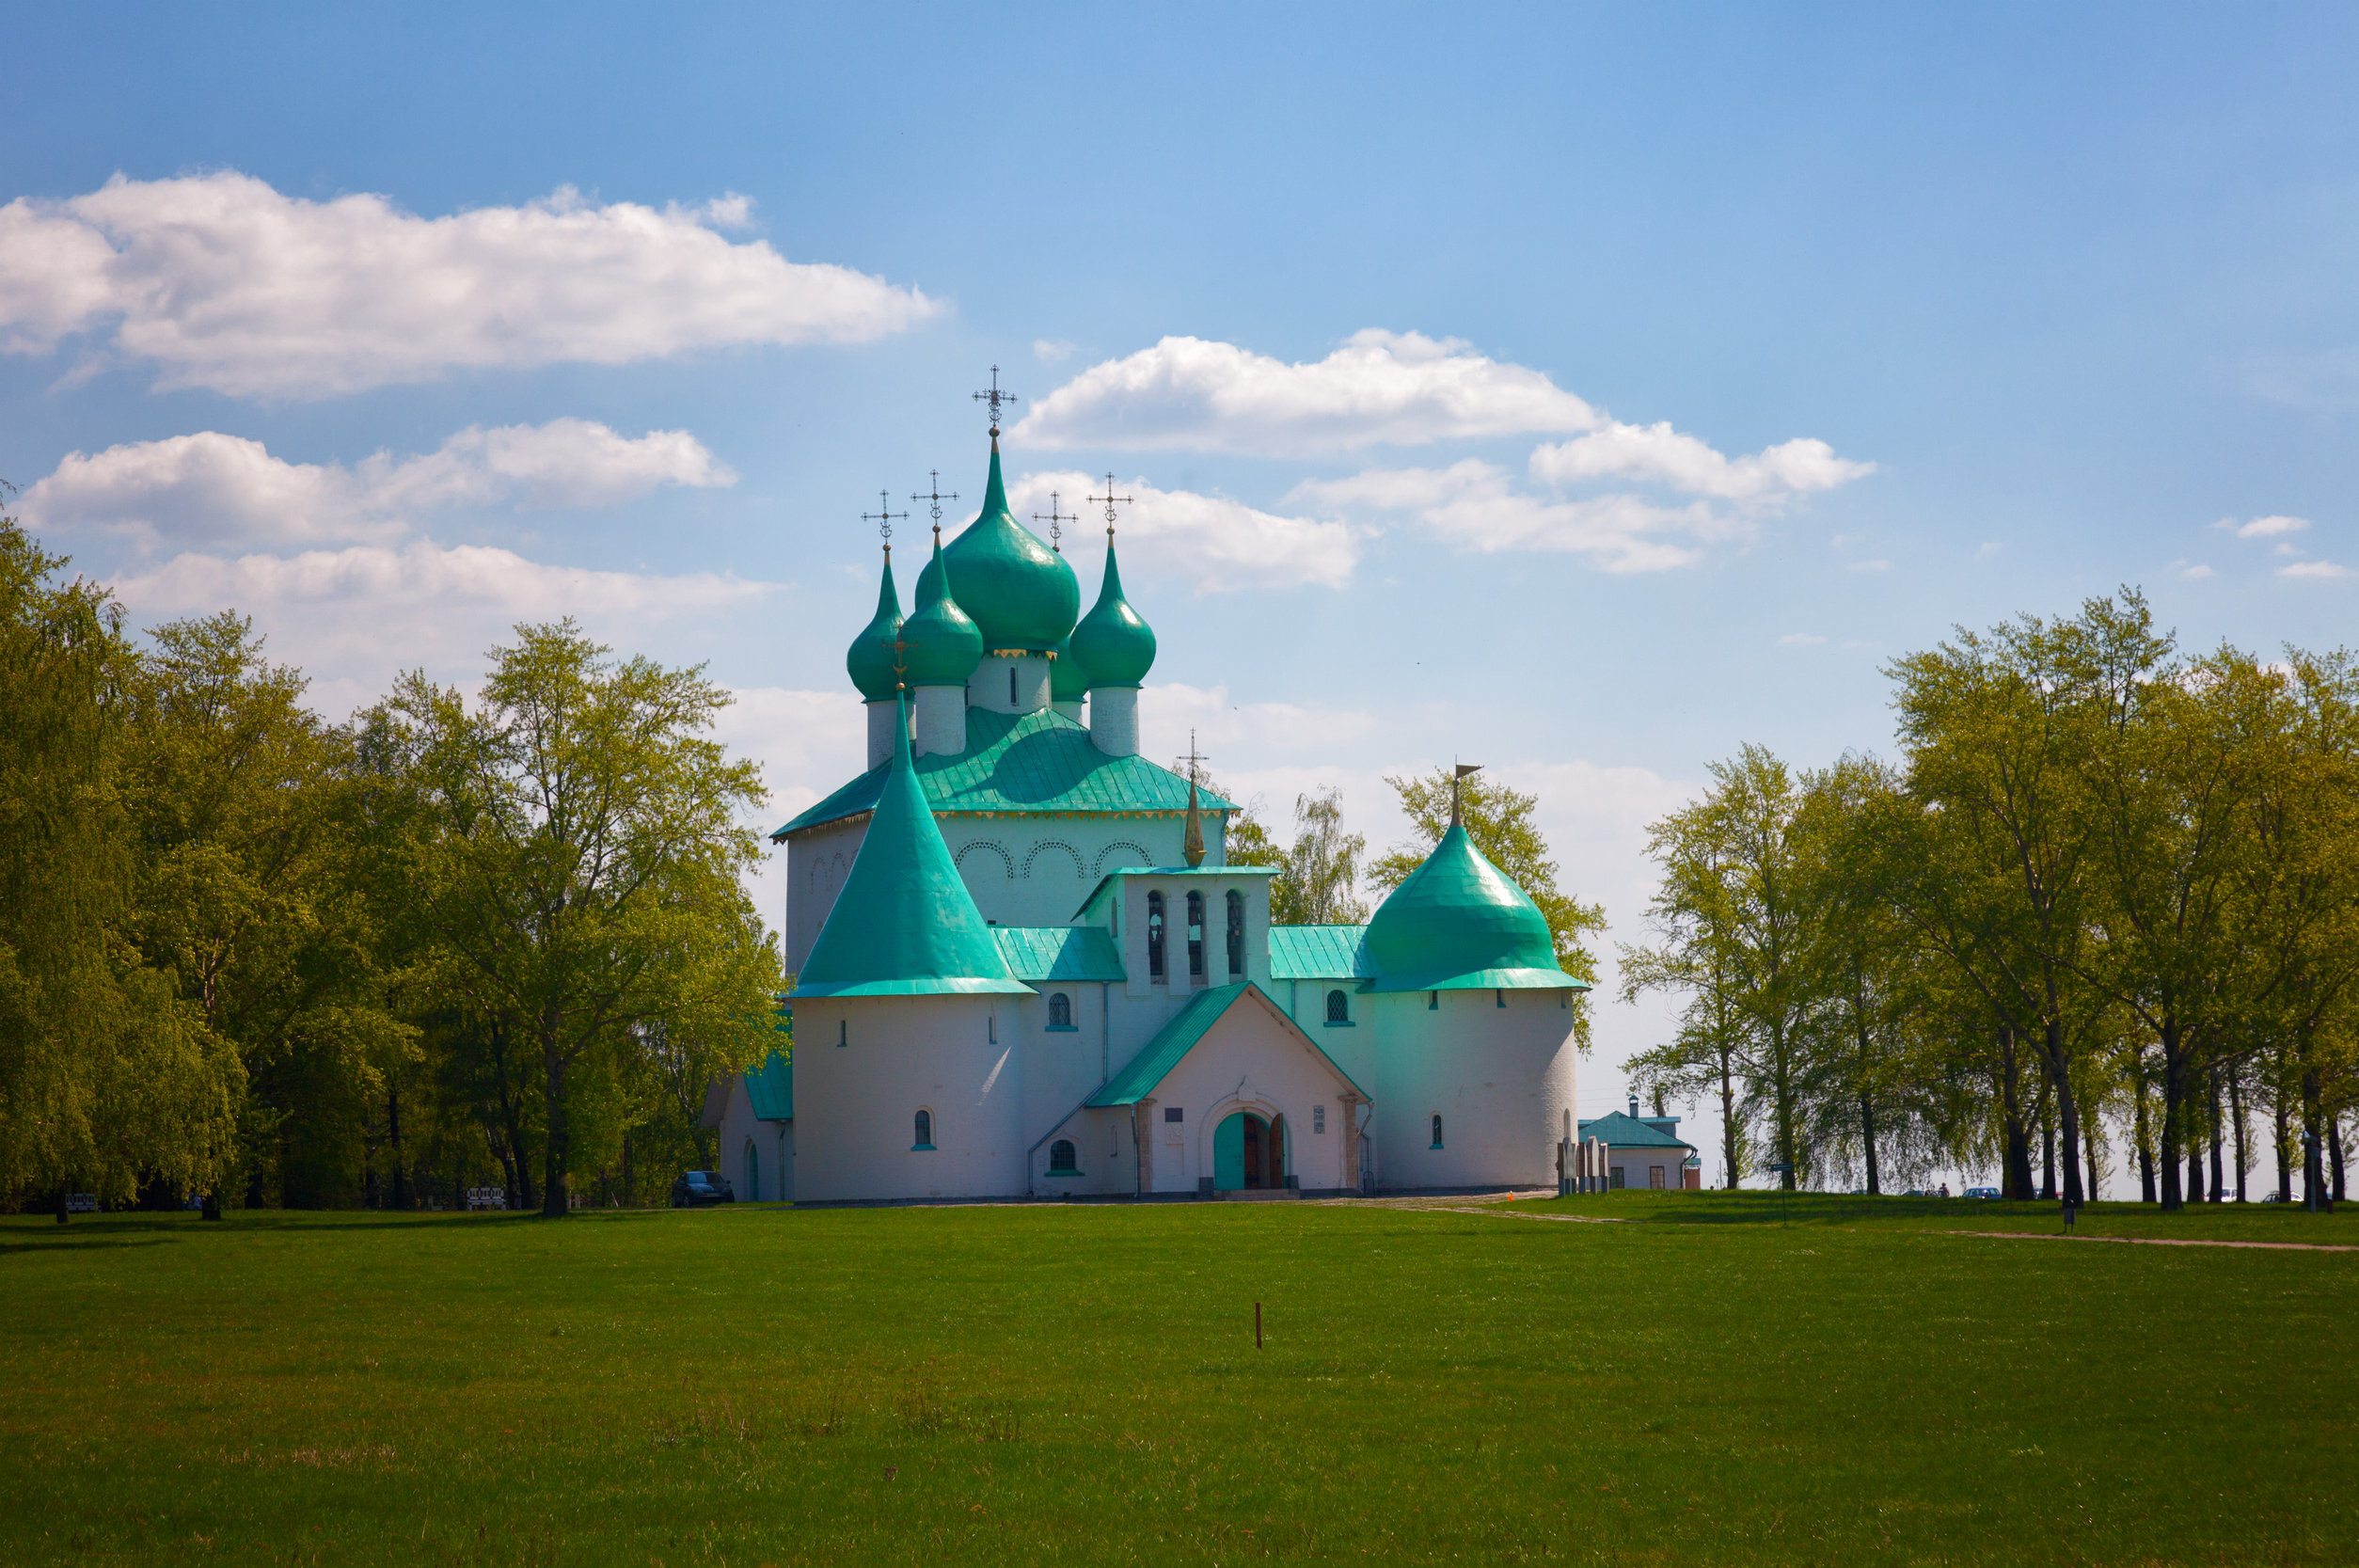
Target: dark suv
(700, 1187)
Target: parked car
(1981, 1191)
(698, 1188)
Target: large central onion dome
(1020, 593)
(1116, 644)
(1460, 923)
(943, 646)
(870, 659)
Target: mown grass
(1079, 1385)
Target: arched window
(1236, 932)
(1437, 1130)
(1196, 934)
(1060, 1011)
(926, 1130)
(1011, 686)
(1155, 936)
(752, 1173)
(1338, 1007)
(1062, 1160)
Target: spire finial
(1192, 842)
(995, 398)
(1052, 519)
(884, 518)
(936, 495)
(1110, 499)
(1457, 777)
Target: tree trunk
(553, 1181)
(2281, 1116)
(2335, 1146)
(61, 1204)
(2174, 1099)
(2142, 1134)
(2219, 1172)
(393, 1136)
(1728, 1121)
(2017, 1171)
(2236, 1109)
(2067, 1105)
(1867, 1142)
(2048, 1147)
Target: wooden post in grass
(1257, 1325)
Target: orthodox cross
(1054, 518)
(995, 398)
(900, 662)
(1110, 499)
(1195, 760)
(884, 518)
(936, 495)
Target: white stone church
(1023, 967)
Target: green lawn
(1079, 1385)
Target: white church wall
(1010, 683)
(1501, 1078)
(1035, 870)
(958, 1058)
(772, 1143)
(1062, 1067)
(817, 860)
(1106, 1164)
(1249, 1061)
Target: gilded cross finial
(884, 518)
(1110, 499)
(1054, 518)
(995, 398)
(935, 494)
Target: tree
(578, 854)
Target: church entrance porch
(1249, 1153)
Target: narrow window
(841, 1026)
(1195, 933)
(1433, 1002)
(1062, 1160)
(1500, 997)
(1236, 932)
(1617, 1179)
(925, 1130)
(1338, 1007)
(1319, 1118)
(1173, 1113)
(1155, 936)
(1437, 1132)
(1011, 686)
(1654, 1177)
(990, 1028)
(1060, 1011)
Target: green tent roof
(1116, 645)
(904, 924)
(1459, 924)
(1020, 593)
(1038, 762)
(1626, 1132)
(1320, 953)
(1175, 1039)
(870, 659)
(1042, 953)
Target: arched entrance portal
(1248, 1152)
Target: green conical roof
(870, 660)
(1457, 923)
(1116, 643)
(941, 645)
(904, 924)
(1068, 678)
(1020, 593)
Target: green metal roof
(1020, 593)
(1320, 953)
(1625, 1132)
(941, 644)
(1041, 954)
(1117, 646)
(770, 1088)
(1068, 681)
(1459, 924)
(1108, 881)
(1038, 762)
(869, 663)
(904, 924)
(1175, 1039)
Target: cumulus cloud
(1211, 542)
(1475, 505)
(210, 488)
(1396, 388)
(2263, 527)
(2312, 569)
(222, 282)
(1659, 454)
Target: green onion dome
(870, 660)
(1069, 681)
(1459, 921)
(1116, 647)
(1020, 593)
(941, 645)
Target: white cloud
(1474, 505)
(1049, 351)
(210, 488)
(1171, 711)
(224, 283)
(1211, 541)
(1379, 386)
(1876, 565)
(2195, 572)
(1800, 640)
(2263, 527)
(2312, 569)
(1656, 453)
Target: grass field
(1075, 1384)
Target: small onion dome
(1116, 647)
(1020, 593)
(870, 660)
(1457, 923)
(941, 646)
(1068, 682)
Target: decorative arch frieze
(1044, 847)
(1006, 861)
(1107, 854)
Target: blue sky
(1579, 390)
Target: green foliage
(1318, 873)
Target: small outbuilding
(755, 1112)
(1646, 1152)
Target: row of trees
(2104, 885)
(249, 954)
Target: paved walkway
(2149, 1241)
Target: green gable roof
(1041, 954)
(1625, 1132)
(1175, 1039)
(904, 924)
(1320, 953)
(770, 1088)
(1030, 762)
